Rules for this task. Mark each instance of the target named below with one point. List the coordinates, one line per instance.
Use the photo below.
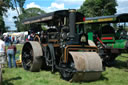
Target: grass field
(116, 75)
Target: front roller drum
(88, 66)
(32, 56)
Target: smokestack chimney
(72, 20)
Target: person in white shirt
(2, 51)
(2, 45)
(2, 56)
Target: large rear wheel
(32, 56)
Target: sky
(52, 5)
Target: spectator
(17, 40)
(11, 51)
(32, 36)
(7, 40)
(13, 39)
(2, 51)
(10, 38)
(28, 37)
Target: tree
(31, 12)
(20, 4)
(4, 5)
(92, 8)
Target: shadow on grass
(103, 78)
(120, 64)
(7, 82)
(100, 79)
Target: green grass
(116, 75)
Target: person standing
(2, 51)
(2, 56)
(11, 51)
(7, 40)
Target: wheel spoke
(29, 63)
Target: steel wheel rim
(27, 57)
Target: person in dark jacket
(7, 40)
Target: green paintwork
(107, 41)
(118, 44)
(90, 36)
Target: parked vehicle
(111, 41)
(63, 47)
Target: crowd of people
(9, 53)
(8, 39)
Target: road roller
(63, 47)
(109, 34)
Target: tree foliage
(30, 12)
(4, 5)
(21, 4)
(92, 8)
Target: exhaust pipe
(72, 20)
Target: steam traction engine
(64, 47)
